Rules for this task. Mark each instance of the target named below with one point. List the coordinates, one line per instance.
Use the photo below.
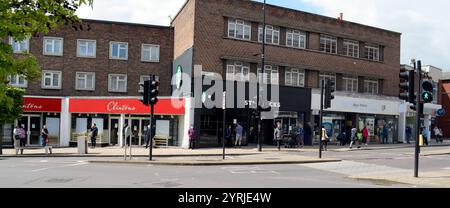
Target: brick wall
(184, 28)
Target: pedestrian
(94, 133)
(385, 134)
(44, 136)
(251, 137)
(425, 134)
(324, 138)
(441, 135)
(16, 139)
(353, 137)
(408, 134)
(191, 134)
(239, 132)
(365, 135)
(277, 135)
(148, 134)
(437, 134)
(229, 135)
(300, 136)
(127, 134)
(308, 133)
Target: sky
(425, 25)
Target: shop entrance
(32, 126)
(138, 127)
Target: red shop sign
(41, 105)
(125, 106)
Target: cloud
(424, 24)
(155, 12)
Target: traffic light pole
(419, 116)
(223, 124)
(152, 111)
(321, 118)
(258, 121)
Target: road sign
(440, 112)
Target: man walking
(94, 134)
(191, 134)
(353, 138)
(385, 134)
(239, 132)
(408, 134)
(277, 135)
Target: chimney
(341, 16)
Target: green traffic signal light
(427, 97)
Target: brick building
(224, 36)
(92, 76)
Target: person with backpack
(353, 137)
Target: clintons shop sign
(41, 105)
(125, 106)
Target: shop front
(111, 116)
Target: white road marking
(44, 161)
(448, 168)
(41, 169)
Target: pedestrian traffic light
(329, 90)
(407, 87)
(154, 91)
(146, 93)
(427, 91)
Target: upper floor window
(86, 48)
(325, 76)
(238, 71)
(144, 78)
(53, 46)
(328, 44)
(372, 52)
(371, 87)
(351, 48)
(85, 81)
(270, 74)
(295, 77)
(51, 79)
(117, 83)
(272, 34)
(17, 81)
(239, 29)
(118, 50)
(19, 46)
(350, 84)
(296, 39)
(150, 53)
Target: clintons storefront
(111, 115)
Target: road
(76, 172)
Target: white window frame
(143, 78)
(14, 81)
(294, 74)
(325, 76)
(12, 41)
(246, 26)
(354, 83)
(375, 86)
(117, 84)
(351, 48)
(52, 72)
(143, 49)
(111, 43)
(291, 35)
(238, 71)
(53, 39)
(271, 32)
(85, 74)
(270, 73)
(329, 43)
(87, 50)
(373, 52)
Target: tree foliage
(23, 19)
(8, 115)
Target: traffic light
(427, 91)
(154, 91)
(329, 90)
(146, 94)
(407, 87)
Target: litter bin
(82, 145)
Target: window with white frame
(150, 53)
(325, 76)
(328, 44)
(20, 46)
(270, 74)
(144, 78)
(51, 79)
(117, 83)
(351, 48)
(272, 34)
(18, 81)
(373, 52)
(350, 84)
(118, 50)
(53, 46)
(85, 81)
(239, 29)
(238, 71)
(295, 77)
(86, 48)
(296, 39)
(371, 87)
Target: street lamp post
(258, 129)
(419, 115)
